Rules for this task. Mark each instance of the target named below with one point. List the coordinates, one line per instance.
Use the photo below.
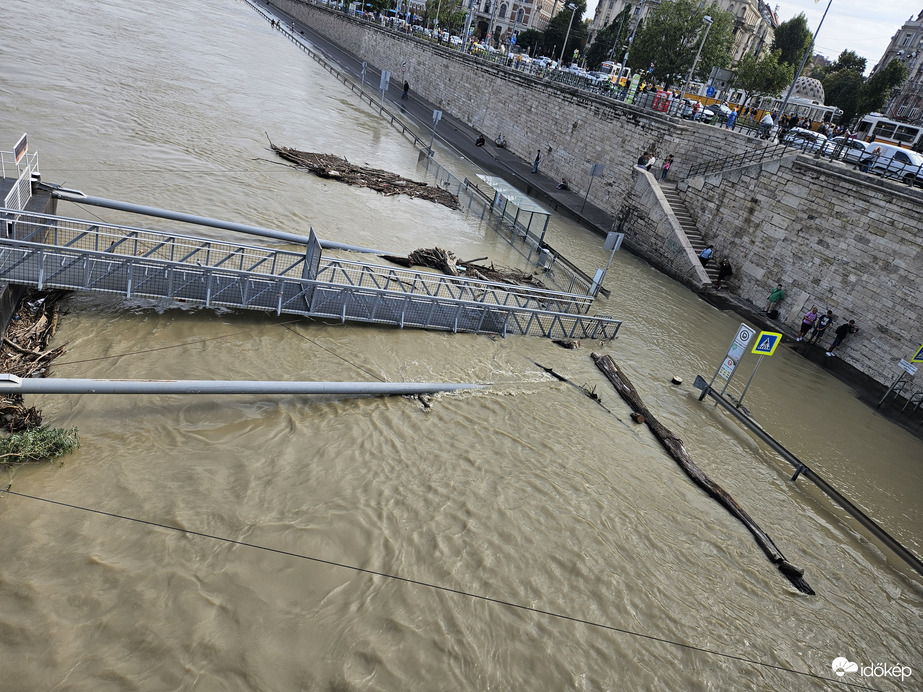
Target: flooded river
(518, 537)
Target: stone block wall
(573, 129)
(833, 237)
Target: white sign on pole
(385, 80)
(907, 367)
(727, 368)
(744, 335)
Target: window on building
(906, 40)
(611, 4)
(502, 11)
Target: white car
(850, 150)
(890, 161)
(455, 40)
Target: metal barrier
(106, 258)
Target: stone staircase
(689, 228)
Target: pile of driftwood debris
(446, 262)
(25, 353)
(336, 168)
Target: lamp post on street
(708, 22)
(573, 10)
(808, 52)
(632, 38)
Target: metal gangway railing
(27, 167)
(49, 251)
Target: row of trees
(666, 42)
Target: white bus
(877, 128)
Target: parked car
(893, 162)
(544, 62)
(850, 150)
(806, 140)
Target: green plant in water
(38, 444)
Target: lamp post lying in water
(53, 385)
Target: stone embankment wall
(835, 238)
(652, 230)
(573, 129)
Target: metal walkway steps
(56, 252)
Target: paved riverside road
(456, 135)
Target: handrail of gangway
(802, 469)
(81, 198)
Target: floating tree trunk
(678, 451)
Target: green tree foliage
(614, 35)
(792, 39)
(530, 40)
(842, 81)
(670, 38)
(875, 92)
(557, 31)
(841, 89)
(848, 60)
(765, 76)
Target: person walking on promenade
(776, 297)
(725, 271)
(820, 326)
(666, 167)
(706, 254)
(732, 118)
(538, 158)
(406, 91)
(842, 332)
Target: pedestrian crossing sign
(766, 343)
(918, 357)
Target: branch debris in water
(335, 168)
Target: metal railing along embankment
(55, 252)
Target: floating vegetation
(38, 444)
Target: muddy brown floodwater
(517, 537)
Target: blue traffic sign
(766, 343)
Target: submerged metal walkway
(57, 252)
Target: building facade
(906, 45)
(754, 28)
(511, 17)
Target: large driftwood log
(678, 451)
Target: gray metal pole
(752, 375)
(52, 385)
(808, 52)
(708, 23)
(80, 198)
(573, 10)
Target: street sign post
(437, 116)
(765, 345)
(735, 352)
(383, 85)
